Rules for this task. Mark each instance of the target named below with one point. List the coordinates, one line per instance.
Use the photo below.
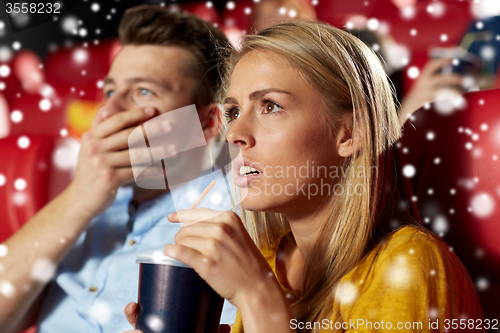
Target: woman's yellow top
(410, 282)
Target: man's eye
(145, 92)
(109, 93)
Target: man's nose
(114, 104)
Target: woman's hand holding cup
(221, 251)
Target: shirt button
(132, 242)
(93, 289)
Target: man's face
(148, 75)
(154, 76)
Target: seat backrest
(453, 161)
(37, 169)
(77, 74)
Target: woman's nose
(241, 132)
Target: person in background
(430, 84)
(94, 230)
(270, 12)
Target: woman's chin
(253, 203)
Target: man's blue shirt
(99, 276)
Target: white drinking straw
(202, 195)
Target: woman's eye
(270, 107)
(232, 114)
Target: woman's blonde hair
(353, 83)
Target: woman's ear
(211, 121)
(349, 140)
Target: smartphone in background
(463, 63)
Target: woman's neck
(291, 257)
(306, 228)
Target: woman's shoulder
(410, 240)
(413, 272)
(411, 249)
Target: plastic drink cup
(173, 298)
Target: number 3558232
(33, 8)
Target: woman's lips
(243, 181)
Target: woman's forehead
(257, 68)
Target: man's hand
(104, 161)
(131, 313)
(103, 166)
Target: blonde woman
(336, 248)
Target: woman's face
(277, 120)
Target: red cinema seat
(238, 14)
(204, 10)
(36, 169)
(38, 154)
(32, 106)
(77, 75)
(453, 162)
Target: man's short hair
(157, 25)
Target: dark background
(50, 35)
